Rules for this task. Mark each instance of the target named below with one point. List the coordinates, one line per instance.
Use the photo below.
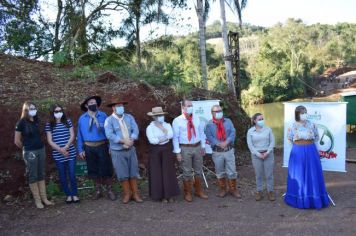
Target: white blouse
(155, 134)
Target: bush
(83, 72)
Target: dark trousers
(98, 161)
(162, 174)
(67, 169)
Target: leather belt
(303, 142)
(219, 149)
(95, 144)
(189, 145)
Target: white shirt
(180, 132)
(154, 134)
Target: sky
(257, 12)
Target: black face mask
(92, 108)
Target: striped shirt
(60, 136)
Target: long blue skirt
(305, 183)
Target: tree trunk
(57, 41)
(138, 43)
(229, 75)
(202, 43)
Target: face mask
(303, 117)
(92, 108)
(190, 110)
(120, 110)
(218, 115)
(260, 123)
(58, 115)
(32, 113)
(160, 119)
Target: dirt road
(202, 217)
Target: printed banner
(330, 118)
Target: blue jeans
(64, 169)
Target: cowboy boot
(198, 188)
(36, 195)
(43, 195)
(127, 192)
(222, 185)
(136, 197)
(187, 189)
(233, 189)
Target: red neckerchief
(190, 126)
(220, 131)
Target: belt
(189, 145)
(96, 143)
(303, 142)
(219, 149)
(262, 151)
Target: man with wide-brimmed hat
(121, 130)
(162, 178)
(93, 146)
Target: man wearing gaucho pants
(189, 146)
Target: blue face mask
(219, 115)
(190, 110)
(120, 110)
(160, 119)
(260, 123)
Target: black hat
(98, 102)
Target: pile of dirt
(22, 79)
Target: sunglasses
(58, 111)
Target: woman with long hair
(305, 183)
(60, 136)
(260, 141)
(28, 138)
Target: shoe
(135, 195)
(271, 196)
(198, 188)
(171, 200)
(42, 189)
(222, 185)
(259, 196)
(76, 199)
(36, 195)
(164, 200)
(69, 200)
(111, 195)
(187, 189)
(233, 188)
(126, 190)
(97, 195)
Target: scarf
(123, 127)
(220, 131)
(190, 126)
(92, 120)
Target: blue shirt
(113, 130)
(210, 132)
(84, 135)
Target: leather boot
(187, 189)
(136, 197)
(198, 188)
(222, 185)
(42, 190)
(36, 195)
(258, 196)
(271, 196)
(126, 190)
(233, 188)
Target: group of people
(107, 145)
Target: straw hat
(156, 111)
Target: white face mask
(303, 117)
(32, 113)
(58, 115)
(160, 119)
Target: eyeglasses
(57, 111)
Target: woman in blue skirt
(305, 183)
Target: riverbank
(214, 216)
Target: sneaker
(75, 199)
(69, 200)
